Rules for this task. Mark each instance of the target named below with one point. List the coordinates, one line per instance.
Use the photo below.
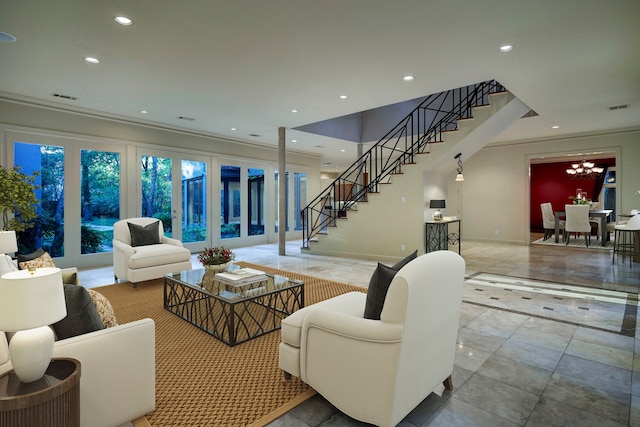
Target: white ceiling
(248, 63)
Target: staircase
(420, 132)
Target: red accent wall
(550, 183)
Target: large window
(194, 201)
(99, 199)
(609, 192)
(230, 204)
(255, 181)
(48, 229)
(300, 195)
(156, 189)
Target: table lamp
(437, 205)
(29, 303)
(8, 242)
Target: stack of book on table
(241, 276)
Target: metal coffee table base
(232, 318)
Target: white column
(282, 192)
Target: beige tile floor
(511, 368)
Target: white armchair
(117, 372)
(377, 371)
(147, 261)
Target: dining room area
(573, 204)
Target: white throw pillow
(7, 265)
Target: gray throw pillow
(82, 315)
(379, 285)
(142, 236)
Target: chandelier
(584, 169)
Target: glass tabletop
(206, 282)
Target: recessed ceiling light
(234, 128)
(408, 78)
(294, 111)
(92, 60)
(343, 150)
(144, 112)
(343, 96)
(506, 48)
(123, 20)
(555, 127)
(294, 140)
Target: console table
(53, 400)
(438, 237)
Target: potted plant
(17, 196)
(216, 258)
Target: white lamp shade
(8, 242)
(31, 300)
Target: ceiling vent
(189, 119)
(255, 135)
(619, 107)
(69, 97)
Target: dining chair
(577, 221)
(595, 223)
(549, 221)
(623, 241)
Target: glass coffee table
(232, 314)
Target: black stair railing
(438, 113)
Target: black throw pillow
(142, 236)
(377, 292)
(379, 285)
(30, 257)
(406, 260)
(82, 315)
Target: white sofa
(377, 371)
(69, 275)
(117, 373)
(140, 263)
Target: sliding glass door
(173, 188)
(79, 196)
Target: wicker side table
(53, 400)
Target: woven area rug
(201, 381)
(577, 243)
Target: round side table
(53, 400)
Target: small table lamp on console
(29, 303)
(437, 205)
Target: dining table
(603, 214)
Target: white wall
(495, 193)
(493, 201)
(389, 219)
